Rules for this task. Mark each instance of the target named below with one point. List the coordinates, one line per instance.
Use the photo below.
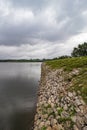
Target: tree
(64, 56)
(81, 50)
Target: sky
(41, 28)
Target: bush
(81, 50)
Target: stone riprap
(58, 108)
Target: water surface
(18, 94)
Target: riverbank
(60, 106)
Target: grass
(66, 121)
(68, 64)
(79, 82)
(60, 110)
(43, 128)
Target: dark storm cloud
(24, 32)
(32, 4)
(27, 23)
(17, 34)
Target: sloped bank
(59, 107)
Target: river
(18, 95)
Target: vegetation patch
(79, 82)
(68, 121)
(60, 110)
(72, 111)
(68, 64)
(43, 128)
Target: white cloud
(4, 8)
(21, 15)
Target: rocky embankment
(58, 108)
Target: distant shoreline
(33, 60)
(21, 60)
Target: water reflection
(18, 92)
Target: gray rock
(45, 116)
(70, 94)
(47, 123)
(85, 116)
(65, 107)
(53, 122)
(75, 127)
(36, 128)
(77, 101)
(80, 121)
(49, 128)
(85, 128)
(77, 109)
(73, 118)
(41, 125)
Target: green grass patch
(68, 121)
(72, 111)
(68, 64)
(80, 84)
(43, 128)
(60, 110)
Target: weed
(43, 128)
(60, 110)
(68, 64)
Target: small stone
(55, 127)
(38, 122)
(57, 117)
(82, 102)
(80, 121)
(77, 110)
(49, 110)
(74, 93)
(52, 105)
(73, 118)
(75, 127)
(56, 113)
(41, 125)
(47, 123)
(65, 107)
(60, 127)
(49, 128)
(49, 101)
(64, 114)
(70, 94)
(53, 122)
(85, 118)
(45, 116)
(78, 92)
(81, 109)
(78, 102)
(46, 105)
(36, 117)
(67, 99)
(85, 128)
(36, 128)
(50, 117)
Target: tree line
(80, 50)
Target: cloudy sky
(41, 28)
